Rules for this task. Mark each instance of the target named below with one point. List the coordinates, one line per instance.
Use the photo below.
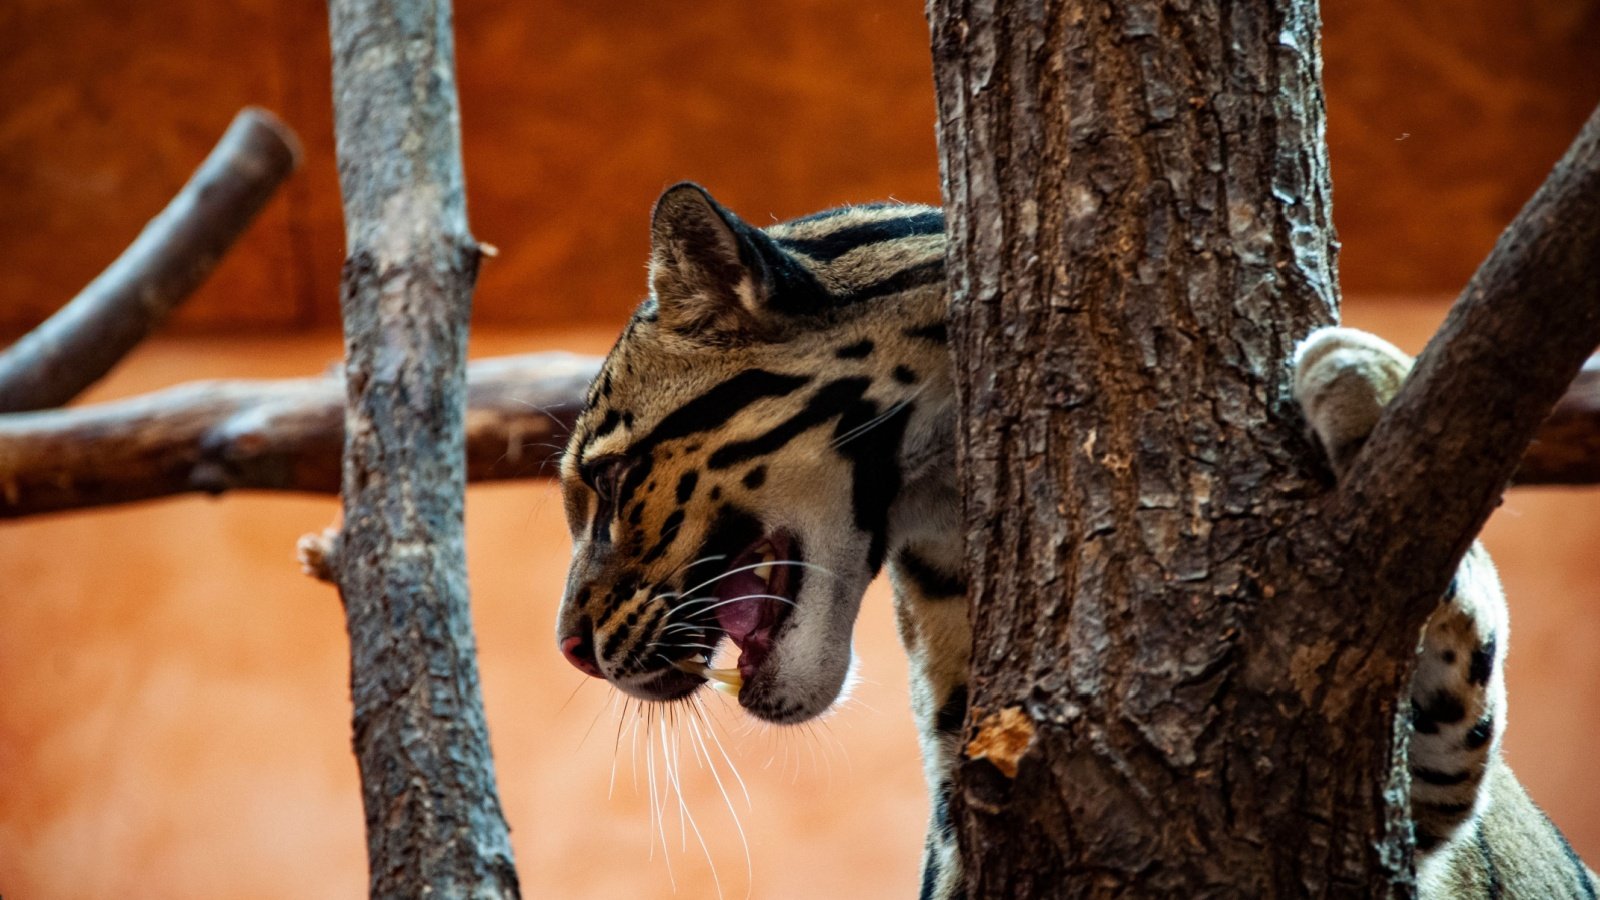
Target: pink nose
(580, 652)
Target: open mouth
(753, 601)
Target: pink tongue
(739, 618)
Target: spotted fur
(1477, 833)
(786, 391)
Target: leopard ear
(709, 273)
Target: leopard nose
(579, 650)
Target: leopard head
(732, 476)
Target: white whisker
(776, 562)
(555, 418)
(744, 842)
(874, 422)
(683, 810)
(720, 602)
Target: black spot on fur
(919, 275)
(1480, 734)
(942, 825)
(953, 713)
(930, 873)
(608, 424)
(931, 581)
(1443, 708)
(933, 331)
(1427, 840)
(828, 401)
(635, 478)
(1491, 872)
(1449, 657)
(614, 642)
(832, 246)
(636, 514)
(904, 375)
(712, 409)
(1482, 665)
(686, 485)
(859, 350)
(755, 477)
(1443, 779)
(1453, 811)
(669, 532)
(872, 444)
(716, 492)
(627, 638)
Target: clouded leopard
(775, 425)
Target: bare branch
(1452, 437)
(285, 435)
(281, 435)
(1567, 448)
(434, 823)
(169, 259)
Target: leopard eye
(604, 474)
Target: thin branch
(280, 435)
(433, 816)
(1453, 436)
(162, 267)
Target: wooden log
(271, 435)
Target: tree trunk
(1188, 655)
(434, 825)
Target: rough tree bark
(434, 824)
(1188, 652)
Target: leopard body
(775, 426)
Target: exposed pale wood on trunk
(162, 267)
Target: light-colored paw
(1342, 379)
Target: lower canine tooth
(729, 677)
(726, 687)
(765, 573)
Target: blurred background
(173, 693)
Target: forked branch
(160, 269)
(1509, 348)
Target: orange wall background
(1443, 118)
(173, 693)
